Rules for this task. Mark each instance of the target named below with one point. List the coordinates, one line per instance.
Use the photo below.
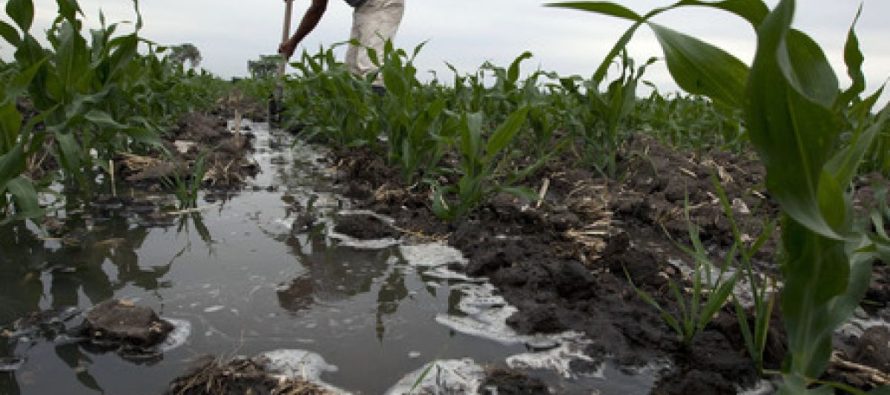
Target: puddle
(359, 315)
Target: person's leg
(374, 23)
(352, 51)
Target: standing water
(236, 280)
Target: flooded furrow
(267, 271)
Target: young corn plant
(613, 106)
(793, 109)
(416, 122)
(709, 292)
(187, 187)
(328, 103)
(480, 160)
(95, 93)
(755, 335)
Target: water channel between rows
(244, 285)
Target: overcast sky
(466, 33)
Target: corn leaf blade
(701, 68)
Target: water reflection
(332, 274)
(43, 275)
(338, 273)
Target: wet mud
(570, 261)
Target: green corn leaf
(471, 136)
(611, 9)
(844, 164)
(72, 57)
(125, 49)
(854, 59)
(817, 272)
(513, 71)
(600, 74)
(506, 132)
(70, 152)
(25, 197)
(395, 81)
(21, 12)
(747, 336)
(12, 164)
(717, 300)
(10, 124)
(8, 33)
(144, 136)
(20, 82)
(600, 7)
(753, 11)
(701, 68)
(792, 134)
(104, 120)
(807, 70)
(69, 9)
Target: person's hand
(287, 48)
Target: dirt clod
(122, 322)
(511, 382)
(364, 227)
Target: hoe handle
(285, 32)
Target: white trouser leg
(373, 24)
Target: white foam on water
(559, 359)
(455, 376)
(486, 315)
(763, 387)
(299, 365)
(213, 309)
(431, 255)
(443, 273)
(178, 336)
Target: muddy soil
(197, 142)
(510, 382)
(121, 324)
(566, 261)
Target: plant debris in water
(240, 376)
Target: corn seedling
(709, 291)
(479, 160)
(187, 187)
(793, 110)
(761, 288)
